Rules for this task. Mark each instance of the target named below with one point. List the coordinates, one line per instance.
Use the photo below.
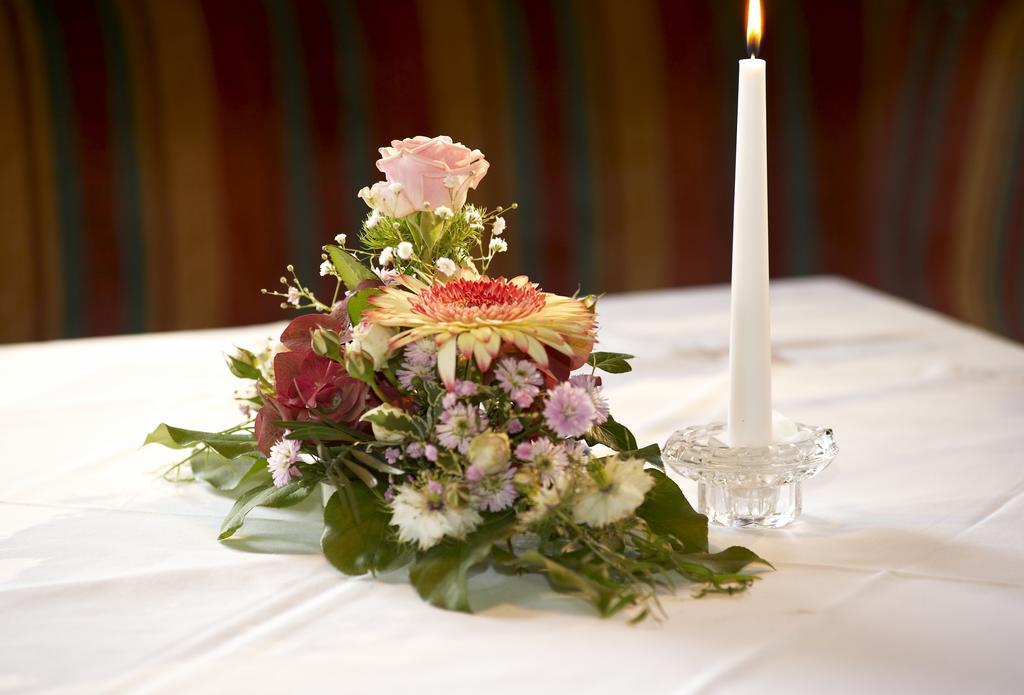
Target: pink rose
(424, 174)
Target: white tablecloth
(905, 573)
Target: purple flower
(491, 492)
(570, 410)
(391, 455)
(414, 450)
(592, 385)
(514, 426)
(464, 389)
(449, 400)
(430, 452)
(459, 424)
(545, 457)
(408, 374)
(422, 352)
(520, 379)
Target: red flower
(309, 386)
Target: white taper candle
(750, 396)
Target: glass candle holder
(749, 487)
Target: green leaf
(667, 512)
(227, 445)
(611, 362)
(727, 562)
(613, 435)
(224, 473)
(440, 575)
(267, 496)
(350, 270)
(650, 453)
(358, 540)
(321, 431)
(566, 580)
(358, 302)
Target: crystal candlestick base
(749, 487)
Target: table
(905, 573)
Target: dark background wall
(164, 159)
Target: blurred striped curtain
(164, 159)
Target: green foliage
(267, 496)
(224, 473)
(358, 303)
(350, 270)
(667, 512)
(225, 444)
(440, 575)
(611, 362)
(613, 435)
(357, 538)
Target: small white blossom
(387, 256)
(446, 266)
(281, 462)
(498, 245)
(444, 212)
(474, 218)
(373, 219)
(364, 194)
(498, 227)
(341, 238)
(294, 296)
(404, 250)
(326, 268)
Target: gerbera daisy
(474, 315)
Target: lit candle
(750, 397)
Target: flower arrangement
(457, 419)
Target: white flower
(386, 257)
(542, 502)
(294, 295)
(620, 491)
(340, 239)
(417, 522)
(423, 518)
(498, 227)
(395, 188)
(326, 268)
(473, 217)
(365, 195)
(373, 340)
(382, 433)
(281, 462)
(404, 250)
(498, 245)
(373, 219)
(444, 212)
(447, 266)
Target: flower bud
(326, 343)
(490, 452)
(359, 365)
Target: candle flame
(753, 27)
